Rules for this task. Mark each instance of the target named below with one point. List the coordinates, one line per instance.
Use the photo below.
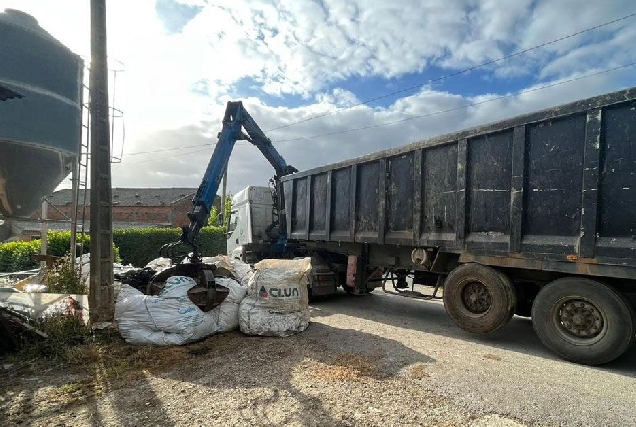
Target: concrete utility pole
(101, 297)
(44, 229)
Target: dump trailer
(534, 215)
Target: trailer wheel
(479, 299)
(583, 321)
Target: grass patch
(344, 367)
(79, 364)
(418, 371)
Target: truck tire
(583, 321)
(479, 299)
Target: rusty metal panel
(352, 269)
(554, 181)
(399, 199)
(439, 194)
(591, 157)
(318, 207)
(340, 205)
(488, 181)
(299, 208)
(617, 187)
(367, 201)
(516, 191)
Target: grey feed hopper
(40, 113)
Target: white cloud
(308, 49)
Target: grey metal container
(552, 190)
(40, 128)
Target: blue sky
(290, 60)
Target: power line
(176, 155)
(462, 106)
(168, 149)
(175, 148)
(155, 159)
(457, 73)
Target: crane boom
(237, 125)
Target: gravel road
(373, 360)
(508, 372)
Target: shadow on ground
(430, 317)
(287, 380)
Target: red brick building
(132, 207)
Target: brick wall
(175, 214)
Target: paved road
(508, 372)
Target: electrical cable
(457, 73)
(435, 113)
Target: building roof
(7, 93)
(131, 196)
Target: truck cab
(250, 218)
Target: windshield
(233, 221)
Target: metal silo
(40, 113)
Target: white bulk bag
(226, 314)
(277, 300)
(166, 319)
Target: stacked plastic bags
(269, 300)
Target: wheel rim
(476, 298)
(579, 321)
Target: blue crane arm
(236, 120)
(256, 136)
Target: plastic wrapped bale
(169, 318)
(227, 313)
(277, 300)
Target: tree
(228, 211)
(215, 218)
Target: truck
(533, 215)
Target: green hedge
(138, 246)
(16, 256)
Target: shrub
(16, 256)
(138, 246)
(62, 278)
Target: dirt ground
(374, 360)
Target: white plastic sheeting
(277, 300)
(166, 319)
(226, 314)
(84, 263)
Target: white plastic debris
(277, 300)
(167, 319)
(35, 288)
(84, 263)
(159, 264)
(241, 271)
(66, 306)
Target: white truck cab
(250, 218)
(251, 215)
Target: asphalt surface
(507, 372)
